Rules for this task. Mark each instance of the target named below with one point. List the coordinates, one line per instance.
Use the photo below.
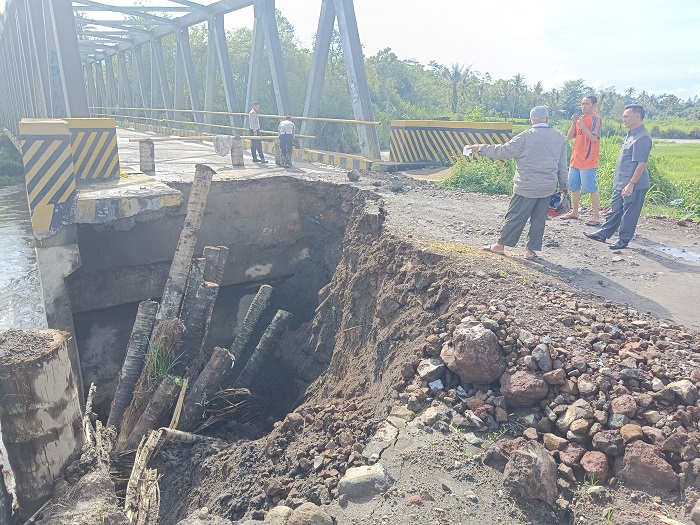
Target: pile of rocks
(606, 394)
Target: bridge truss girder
(59, 58)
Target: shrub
(11, 166)
(481, 175)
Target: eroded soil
(408, 275)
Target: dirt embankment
(395, 304)
(601, 393)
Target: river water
(21, 302)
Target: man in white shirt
(286, 134)
(254, 129)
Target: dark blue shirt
(635, 149)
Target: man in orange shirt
(585, 130)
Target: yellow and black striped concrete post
(48, 173)
(94, 143)
(441, 141)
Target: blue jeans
(584, 180)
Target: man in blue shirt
(631, 181)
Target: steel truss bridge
(82, 58)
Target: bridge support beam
(344, 11)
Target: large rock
(309, 514)
(643, 467)
(609, 441)
(431, 369)
(383, 438)
(577, 409)
(571, 454)
(523, 389)
(595, 464)
(278, 515)
(685, 390)
(474, 355)
(434, 414)
(364, 482)
(695, 513)
(625, 405)
(531, 472)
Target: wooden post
(194, 279)
(216, 262)
(195, 316)
(155, 413)
(265, 346)
(164, 343)
(136, 353)
(255, 310)
(40, 413)
(207, 383)
(175, 285)
(218, 367)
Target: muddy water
(21, 303)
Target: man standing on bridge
(286, 133)
(254, 129)
(540, 155)
(631, 182)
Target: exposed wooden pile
(166, 353)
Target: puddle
(680, 254)
(21, 303)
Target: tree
(455, 75)
(571, 94)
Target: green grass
(674, 127)
(481, 175)
(674, 169)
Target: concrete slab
(103, 201)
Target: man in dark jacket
(631, 181)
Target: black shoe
(256, 160)
(263, 161)
(618, 245)
(595, 236)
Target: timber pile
(166, 353)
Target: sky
(650, 45)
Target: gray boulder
(644, 468)
(474, 355)
(364, 482)
(309, 514)
(523, 389)
(531, 473)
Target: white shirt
(286, 127)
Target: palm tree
(519, 87)
(537, 92)
(455, 75)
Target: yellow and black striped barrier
(440, 141)
(94, 144)
(48, 172)
(341, 160)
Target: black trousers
(286, 140)
(256, 146)
(624, 214)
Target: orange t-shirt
(585, 154)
